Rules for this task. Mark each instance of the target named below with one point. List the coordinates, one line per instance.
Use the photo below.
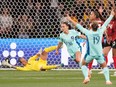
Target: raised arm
(108, 20)
(112, 1)
(71, 20)
(80, 27)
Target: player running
(68, 37)
(94, 38)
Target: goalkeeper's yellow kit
(36, 65)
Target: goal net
(28, 25)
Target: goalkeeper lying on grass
(33, 63)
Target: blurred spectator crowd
(41, 18)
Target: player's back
(94, 38)
(94, 45)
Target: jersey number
(96, 39)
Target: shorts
(99, 59)
(106, 44)
(113, 44)
(73, 51)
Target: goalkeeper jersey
(33, 64)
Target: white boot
(115, 73)
(101, 72)
(5, 63)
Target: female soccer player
(95, 16)
(111, 31)
(33, 63)
(94, 38)
(68, 37)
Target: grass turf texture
(53, 78)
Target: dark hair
(94, 26)
(67, 24)
(98, 15)
(114, 18)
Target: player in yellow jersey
(33, 63)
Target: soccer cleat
(5, 63)
(101, 72)
(60, 65)
(114, 74)
(86, 80)
(108, 83)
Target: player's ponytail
(98, 15)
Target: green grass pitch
(52, 78)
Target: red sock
(106, 59)
(114, 58)
(90, 65)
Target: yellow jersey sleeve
(23, 69)
(33, 58)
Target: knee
(77, 60)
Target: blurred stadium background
(28, 25)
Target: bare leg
(105, 52)
(78, 56)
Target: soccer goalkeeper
(33, 63)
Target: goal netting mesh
(28, 25)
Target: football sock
(84, 71)
(106, 73)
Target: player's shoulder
(72, 30)
(61, 34)
(99, 30)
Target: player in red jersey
(110, 41)
(111, 32)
